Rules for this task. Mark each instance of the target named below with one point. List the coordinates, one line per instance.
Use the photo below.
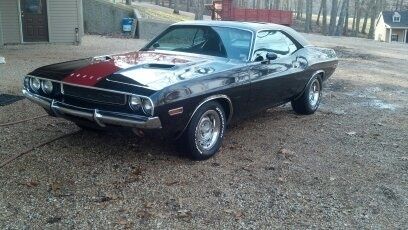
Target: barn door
(34, 20)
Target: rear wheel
(309, 101)
(204, 134)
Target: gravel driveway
(344, 167)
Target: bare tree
(366, 15)
(340, 24)
(309, 12)
(324, 19)
(374, 12)
(333, 17)
(346, 20)
(299, 9)
(199, 9)
(176, 7)
(318, 15)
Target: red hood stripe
(92, 74)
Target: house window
(396, 19)
(394, 38)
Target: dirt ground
(344, 167)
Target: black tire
(192, 141)
(307, 104)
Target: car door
(273, 82)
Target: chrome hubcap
(314, 93)
(208, 130)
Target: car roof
(251, 26)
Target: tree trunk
(299, 10)
(324, 19)
(188, 6)
(318, 15)
(374, 11)
(340, 24)
(277, 4)
(309, 12)
(353, 26)
(128, 2)
(176, 7)
(346, 21)
(199, 9)
(364, 29)
(333, 17)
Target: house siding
(1, 33)
(380, 30)
(63, 17)
(10, 21)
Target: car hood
(146, 69)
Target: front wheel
(204, 134)
(309, 101)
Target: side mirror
(156, 45)
(270, 56)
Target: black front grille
(95, 95)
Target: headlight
(27, 82)
(47, 87)
(135, 102)
(35, 84)
(147, 106)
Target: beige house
(28, 21)
(392, 26)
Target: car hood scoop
(150, 69)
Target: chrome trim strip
(210, 98)
(102, 118)
(95, 88)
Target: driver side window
(272, 41)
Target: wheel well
(225, 103)
(321, 75)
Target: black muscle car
(189, 82)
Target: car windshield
(214, 41)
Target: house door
(34, 20)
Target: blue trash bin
(127, 24)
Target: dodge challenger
(189, 82)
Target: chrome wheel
(208, 130)
(314, 93)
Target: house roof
(388, 18)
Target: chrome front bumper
(102, 118)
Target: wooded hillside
(329, 17)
